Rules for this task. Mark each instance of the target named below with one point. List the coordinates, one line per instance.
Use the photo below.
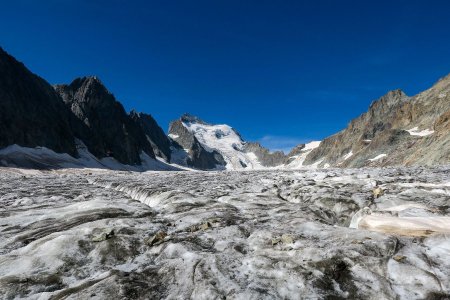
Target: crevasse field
(309, 234)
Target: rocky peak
(112, 131)
(385, 134)
(86, 89)
(188, 118)
(388, 101)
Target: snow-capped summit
(221, 146)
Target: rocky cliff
(112, 132)
(155, 135)
(31, 112)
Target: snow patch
(348, 155)
(378, 157)
(298, 161)
(415, 131)
(312, 145)
(42, 157)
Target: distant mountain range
(81, 124)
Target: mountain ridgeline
(83, 121)
(111, 130)
(396, 130)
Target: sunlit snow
(415, 131)
(227, 142)
(378, 157)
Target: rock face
(264, 156)
(111, 131)
(155, 135)
(31, 113)
(213, 146)
(397, 130)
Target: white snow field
(299, 234)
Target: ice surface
(268, 234)
(44, 158)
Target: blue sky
(281, 72)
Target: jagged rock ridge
(396, 130)
(112, 131)
(81, 117)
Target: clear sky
(281, 72)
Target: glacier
(266, 234)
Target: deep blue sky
(281, 72)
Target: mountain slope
(31, 112)
(112, 131)
(396, 130)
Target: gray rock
(104, 235)
(382, 130)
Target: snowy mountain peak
(222, 140)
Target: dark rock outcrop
(31, 112)
(111, 131)
(155, 135)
